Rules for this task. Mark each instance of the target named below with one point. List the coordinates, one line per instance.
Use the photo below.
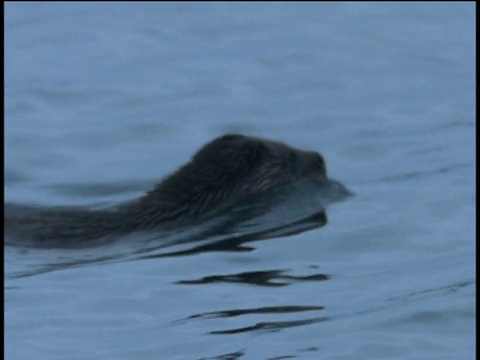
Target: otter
(228, 168)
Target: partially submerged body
(229, 168)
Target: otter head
(230, 166)
(256, 165)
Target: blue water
(103, 100)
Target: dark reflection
(270, 326)
(260, 278)
(231, 356)
(262, 326)
(263, 310)
(237, 243)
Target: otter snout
(333, 190)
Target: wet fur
(228, 168)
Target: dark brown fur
(229, 167)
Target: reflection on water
(270, 326)
(261, 326)
(259, 278)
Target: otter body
(229, 168)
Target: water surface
(103, 100)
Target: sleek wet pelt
(226, 176)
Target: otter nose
(340, 190)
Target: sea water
(102, 100)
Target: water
(103, 100)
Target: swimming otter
(229, 167)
